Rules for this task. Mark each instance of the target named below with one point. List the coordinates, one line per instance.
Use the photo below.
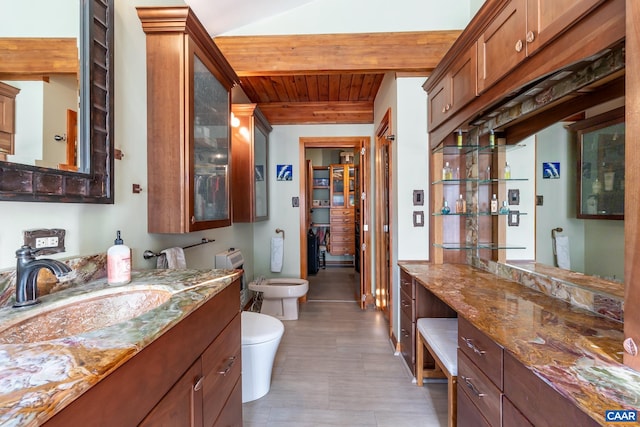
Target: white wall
(362, 16)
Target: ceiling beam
(418, 51)
(38, 56)
(335, 112)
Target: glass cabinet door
(261, 207)
(337, 186)
(352, 186)
(211, 146)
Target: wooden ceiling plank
(39, 56)
(312, 88)
(323, 88)
(301, 89)
(336, 53)
(334, 87)
(355, 87)
(345, 87)
(318, 112)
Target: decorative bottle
(494, 204)
(504, 209)
(118, 262)
(492, 139)
(507, 171)
(446, 172)
(461, 205)
(445, 208)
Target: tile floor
(336, 367)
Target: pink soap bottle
(118, 262)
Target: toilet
(280, 296)
(261, 336)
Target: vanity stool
(440, 337)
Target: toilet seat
(260, 328)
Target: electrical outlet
(46, 241)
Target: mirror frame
(26, 183)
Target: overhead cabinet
(250, 142)
(7, 118)
(188, 123)
(519, 30)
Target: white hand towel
(562, 252)
(172, 258)
(277, 254)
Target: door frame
(355, 143)
(383, 271)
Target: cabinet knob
(630, 346)
(444, 109)
(531, 36)
(198, 385)
(519, 46)
(193, 219)
(447, 107)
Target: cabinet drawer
(408, 340)
(341, 213)
(341, 249)
(343, 238)
(485, 353)
(467, 413)
(529, 393)
(342, 227)
(221, 366)
(406, 284)
(230, 415)
(479, 389)
(511, 417)
(407, 305)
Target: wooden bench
(440, 337)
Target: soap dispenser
(118, 262)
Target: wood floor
(336, 367)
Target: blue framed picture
(284, 172)
(550, 170)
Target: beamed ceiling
(328, 78)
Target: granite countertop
(576, 352)
(38, 379)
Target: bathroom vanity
(523, 350)
(176, 363)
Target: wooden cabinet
(456, 89)
(249, 171)
(528, 393)
(7, 118)
(188, 129)
(189, 376)
(520, 30)
(342, 193)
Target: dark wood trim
(26, 183)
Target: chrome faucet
(27, 274)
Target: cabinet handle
(225, 371)
(472, 346)
(444, 109)
(519, 46)
(404, 333)
(193, 219)
(198, 385)
(472, 387)
(405, 304)
(531, 36)
(447, 107)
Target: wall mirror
(600, 174)
(89, 177)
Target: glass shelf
(486, 149)
(474, 213)
(499, 180)
(455, 181)
(456, 149)
(482, 246)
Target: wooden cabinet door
(502, 46)
(548, 18)
(439, 103)
(463, 79)
(182, 405)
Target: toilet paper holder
(279, 230)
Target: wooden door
(72, 142)
(363, 236)
(383, 216)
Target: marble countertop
(575, 351)
(38, 379)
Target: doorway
(344, 196)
